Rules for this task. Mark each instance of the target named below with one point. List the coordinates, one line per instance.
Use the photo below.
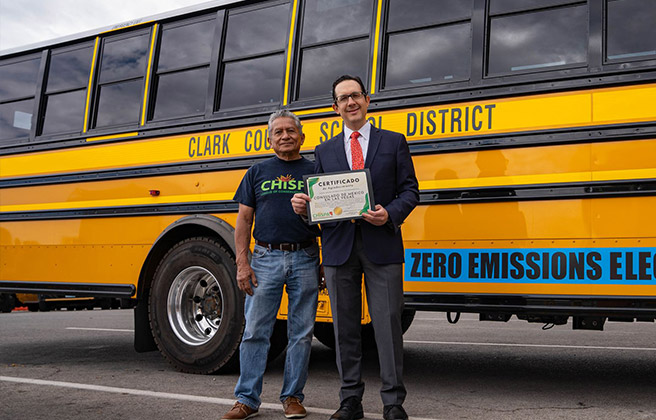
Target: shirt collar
(364, 131)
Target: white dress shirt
(363, 139)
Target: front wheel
(195, 307)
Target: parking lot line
(555, 346)
(167, 395)
(100, 329)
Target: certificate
(338, 195)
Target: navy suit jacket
(395, 187)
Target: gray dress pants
(384, 288)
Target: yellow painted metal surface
(625, 219)
(114, 136)
(90, 85)
(610, 161)
(112, 264)
(613, 224)
(499, 221)
(92, 250)
(25, 298)
(112, 250)
(618, 105)
(149, 69)
(517, 166)
(538, 112)
(181, 189)
(290, 49)
(77, 251)
(324, 313)
(374, 63)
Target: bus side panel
(171, 189)
(581, 246)
(94, 250)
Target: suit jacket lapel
(374, 141)
(340, 153)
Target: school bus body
(537, 189)
(507, 215)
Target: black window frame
(211, 65)
(295, 72)
(97, 85)
(543, 4)
(45, 94)
(36, 96)
(571, 68)
(624, 62)
(384, 51)
(218, 111)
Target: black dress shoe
(349, 409)
(394, 412)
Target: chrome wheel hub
(195, 305)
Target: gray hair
(283, 113)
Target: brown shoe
(239, 411)
(293, 408)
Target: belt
(285, 246)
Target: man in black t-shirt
(286, 253)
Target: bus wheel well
(186, 228)
(167, 241)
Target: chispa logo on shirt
(282, 184)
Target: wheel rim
(195, 305)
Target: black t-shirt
(268, 187)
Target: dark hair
(340, 79)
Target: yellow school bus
(532, 127)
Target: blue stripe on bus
(624, 266)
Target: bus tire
(196, 310)
(7, 302)
(325, 333)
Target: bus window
(404, 14)
(323, 65)
(66, 90)
(345, 21)
(120, 84)
(17, 92)
(508, 6)
(253, 60)
(538, 40)
(183, 69)
(634, 40)
(420, 51)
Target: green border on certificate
(338, 195)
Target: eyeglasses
(342, 99)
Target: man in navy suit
(371, 246)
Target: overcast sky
(24, 22)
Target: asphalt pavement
(82, 365)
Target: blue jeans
(299, 272)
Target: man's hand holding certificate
(338, 196)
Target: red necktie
(357, 161)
